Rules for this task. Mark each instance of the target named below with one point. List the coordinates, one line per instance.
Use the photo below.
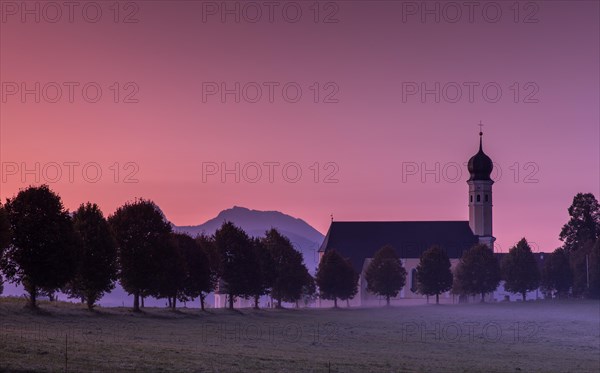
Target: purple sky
(366, 131)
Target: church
(359, 240)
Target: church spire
(480, 136)
(480, 194)
(480, 165)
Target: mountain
(305, 238)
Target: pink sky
(369, 134)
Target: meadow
(541, 336)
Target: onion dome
(480, 165)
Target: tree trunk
(279, 303)
(524, 295)
(230, 301)
(437, 299)
(174, 303)
(202, 302)
(136, 302)
(256, 297)
(387, 300)
(482, 297)
(170, 305)
(90, 302)
(142, 302)
(32, 297)
(335, 303)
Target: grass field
(502, 337)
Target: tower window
(470, 198)
(486, 198)
(479, 198)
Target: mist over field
(506, 337)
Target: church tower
(480, 195)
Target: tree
(309, 290)
(209, 256)
(594, 271)
(4, 237)
(585, 265)
(41, 253)
(336, 278)
(197, 275)
(584, 224)
(385, 274)
(520, 270)
(173, 269)
(141, 231)
(96, 256)
(288, 267)
(239, 266)
(579, 235)
(266, 271)
(478, 272)
(434, 275)
(557, 276)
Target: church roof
(360, 240)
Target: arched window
(413, 280)
(479, 198)
(486, 198)
(470, 198)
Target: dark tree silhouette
(173, 269)
(584, 224)
(4, 229)
(4, 237)
(579, 235)
(239, 266)
(196, 269)
(288, 267)
(594, 270)
(96, 256)
(385, 274)
(557, 276)
(142, 232)
(585, 265)
(309, 290)
(519, 270)
(41, 253)
(267, 271)
(434, 275)
(336, 278)
(478, 272)
(207, 247)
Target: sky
(367, 110)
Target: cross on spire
(480, 136)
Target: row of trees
(46, 249)
(478, 272)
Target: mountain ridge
(255, 223)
